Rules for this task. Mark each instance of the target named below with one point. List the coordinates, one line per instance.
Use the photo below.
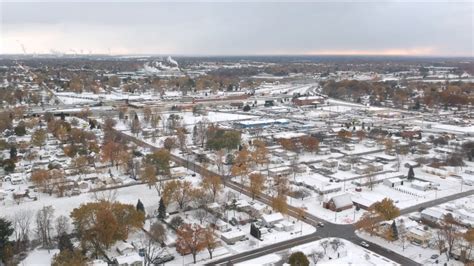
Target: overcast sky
(388, 28)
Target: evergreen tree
(6, 230)
(91, 124)
(417, 105)
(394, 233)
(13, 153)
(140, 206)
(64, 243)
(411, 174)
(162, 210)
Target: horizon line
(238, 55)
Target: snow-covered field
(39, 257)
(346, 254)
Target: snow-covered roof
(342, 200)
(219, 222)
(233, 234)
(213, 205)
(129, 258)
(432, 212)
(288, 135)
(271, 218)
(242, 203)
(123, 246)
(420, 183)
(419, 232)
(258, 206)
(97, 263)
(395, 180)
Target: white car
(364, 244)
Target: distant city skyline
(225, 28)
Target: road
(436, 202)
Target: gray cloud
(241, 28)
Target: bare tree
(21, 222)
(109, 195)
(154, 242)
(220, 154)
(316, 256)
(336, 243)
(370, 177)
(62, 225)
(201, 131)
(44, 225)
(324, 244)
(402, 233)
(449, 233)
(200, 214)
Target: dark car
(434, 256)
(163, 259)
(233, 222)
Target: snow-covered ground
(39, 257)
(346, 253)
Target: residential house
(344, 167)
(232, 237)
(330, 163)
(339, 203)
(432, 215)
(124, 248)
(270, 220)
(393, 182)
(222, 226)
(420, 185)
(279, 171)
(132, 259)
(418, 235)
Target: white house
(285, 226)
(279, 171)
(124, 248)
(272, 219)
(232, 237)
(393, 182)
(330, 163)
(420, 185)
(339, 202)
(132, 259)
(418, 235)
(222, 226)
(432, 215)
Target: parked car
(364, 244)
(434, 256)
(163, 259)
(233, 221)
